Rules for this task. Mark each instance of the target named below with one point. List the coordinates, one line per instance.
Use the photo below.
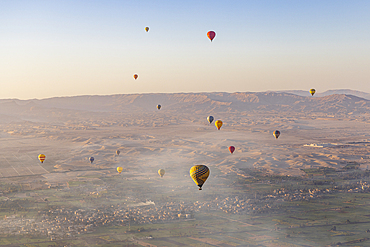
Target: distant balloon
(312, 91)
(42, 157)
(199, 174)
(136, 76)
(276, 133)
(118, 152)
(159, 107)
(218, 124)
(231, 149)
(147, 29)
(211, 35)
(210, 119)
(161, 172)
(119, 169)
(91, 159)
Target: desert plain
(309, 187)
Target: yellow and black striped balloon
(199, 174)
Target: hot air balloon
(218, 124)
(119, 169)
(136, 76)
(276, 133)
(147, 29)
(91, 159)
(42, 157)
(210, 119)
(199, 174)
(161, 172)
(312, 91)
(211, 35)
(231, 149)
(159, 107)
(118, 152)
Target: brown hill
(193, 102)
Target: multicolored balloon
(42, 157)
(118, 152)
(276, 133)
(159, 107)
(211, 35)
(199, 174)
(161, 172)
(136, 76)
(312, 91)
(210, 119)
(147, 29)
(218, 124)
(231, 149)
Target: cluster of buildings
(59, 223)
(270, 201)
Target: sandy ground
(154, 143)
(174, 141)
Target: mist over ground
(270, 192)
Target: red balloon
(231, 149)
(211, 35)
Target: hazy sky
(60, 48)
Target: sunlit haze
(66, 48)
(184, 123)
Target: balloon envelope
(119, 169)
(147, 29)
(136, 76)
(118, 152)
(199, 174)
(210, 119)
(42, 157)
(218, 124)
(211, 35)
(91, 159)
(159, 107)
(312, 91)
(161, 172)
(276, 133)
(231, 149)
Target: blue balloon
(91, 159)
(210, 119)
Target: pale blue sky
(63, 48)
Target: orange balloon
(119, 169)
(136, 76)
(218, 124)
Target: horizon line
(201, 92)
